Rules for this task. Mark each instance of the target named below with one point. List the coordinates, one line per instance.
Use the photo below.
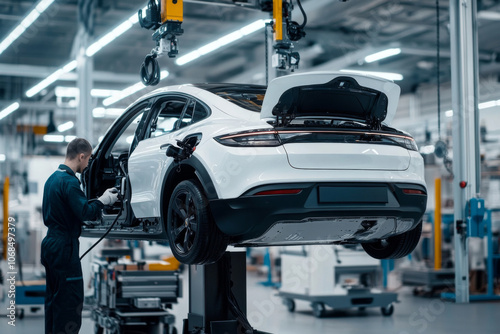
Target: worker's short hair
(76, 147)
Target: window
(170, 112)
(127, 137)
(195, 112)
(121, 136)
(249, 97)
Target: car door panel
(147, 167)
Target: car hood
(339, 95)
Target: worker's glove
(109, 197)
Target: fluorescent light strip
(65, 126)
(384, 75)
(53, 138)
(102, 92)
(62, 91)
(480, 106)
(91, 50)
(488, 15)
(129, 91)
(25, 24)
(51, 78)
(2, 157)
(109, 112)
(9, 110)
(382, 54)
(113, 34)
(489, 104)
(224, 40)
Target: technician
(64, 209)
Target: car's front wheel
(394, 247)
(194, 238)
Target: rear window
(250, 101)
(249, 97)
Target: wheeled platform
(133, 296)
(428, 281)
(333, 276)
(355, 297)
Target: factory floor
(266, 313)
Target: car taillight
(279, 192)
(407, 142)
(413, 192)
(250, 138)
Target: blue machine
(479, 224)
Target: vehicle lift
(217, 297)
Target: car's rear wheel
(194, 238)
(394, 247)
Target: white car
(312, 159)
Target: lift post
(217, 297)
(464, 83)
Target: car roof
(221, 87)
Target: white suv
(312, 159)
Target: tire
(388, 310)
(394, 247)
(318, 309)
(290, 304)
(193, 236)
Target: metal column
(464, 79)
(85, 69)
(84, 82)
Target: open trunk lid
(339, 95)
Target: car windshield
(249, 97)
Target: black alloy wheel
(194, 238)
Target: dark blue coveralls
(64, 209)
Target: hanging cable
(150, 78)
(106, 233)
(303, 14)
(441, 148)
(266, 35)
(296, 31)
(438, 70)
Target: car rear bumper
(320, 213)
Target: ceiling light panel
(25, 24)
(382, 55)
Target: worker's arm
(80, 205)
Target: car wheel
(394, 247)
(318, 309)
(387, 311)
(194, 238)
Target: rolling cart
(133, 296)
(333, 276)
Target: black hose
(438, 69)
(303, 14)
(105, 234)
(150, 78)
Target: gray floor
(266, 313)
